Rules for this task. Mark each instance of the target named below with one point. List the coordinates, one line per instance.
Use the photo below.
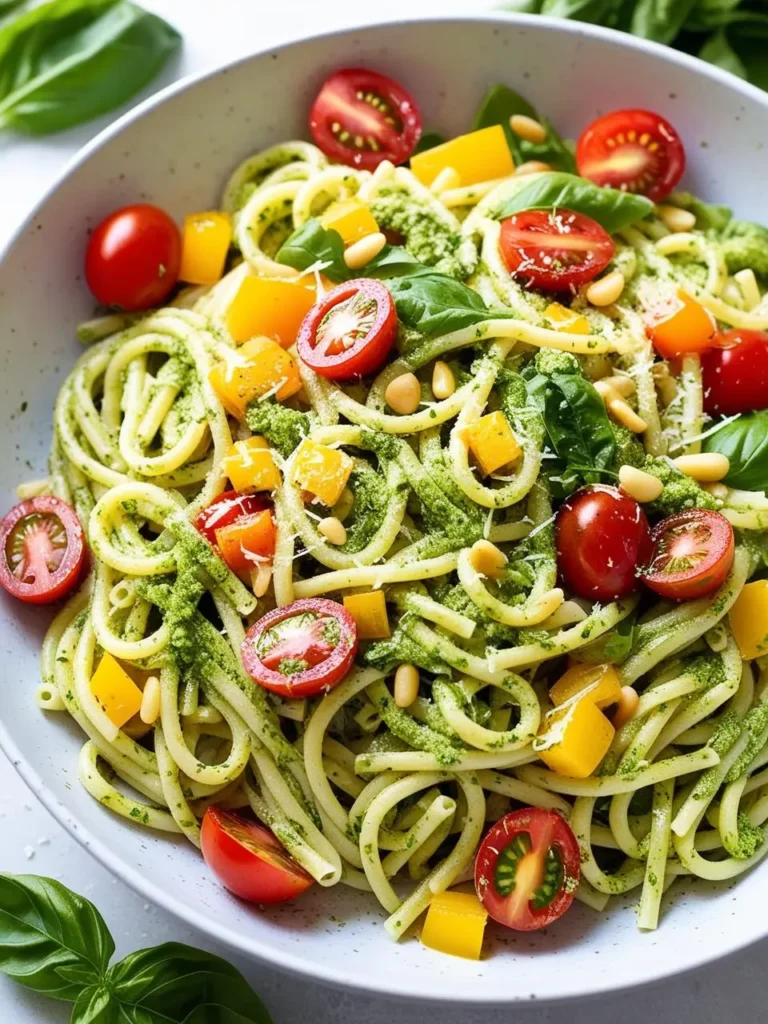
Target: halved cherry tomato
(350, 332)
(692, 554)
(42, 549)
(133, 257)
(602, 538)
(555, 250)
(681, 326)
(735, 373)
(527, 869)
(632, 150)
(361, 118)
(302, 649)
(249, 860)
(226, 509)
(247, 542)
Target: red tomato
(692, 554)
(361, 118)
(133, 258)
(43, 550)
(681, 326)
(227, 509)
(555, 250)
(632, 150)
(248, 859)
(602, 537)
(350, 332)
(735, 373)
(302, 649)
(527, 869)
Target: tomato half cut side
(249, 860)
(692, 554)
(43, 550)
(632, 150)
(226, 509)
(361, 118)
(350, 332)
(555, 250)
(302, 649)
(527, 869)
(735, 373)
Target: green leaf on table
(745, 442)
(434, 304)
(717, 50)
(598, 12)
(498, 105)
(660, 20)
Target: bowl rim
(349, 980)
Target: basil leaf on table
(70, 60)
(498, 105)
(312, 244)
(598, 12)
(745, 442)
(434, 304)
(660, 20)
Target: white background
(31, 841)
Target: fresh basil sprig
(313, 244)
(56, 943)
(498, 105)
(745, 442)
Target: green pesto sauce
(284, 428)
(680, 492)
(427, 238)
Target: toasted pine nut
(528, 128)
(640, 485)
(719, 491)
(568, 614)
(606, 290)
(708, 467)
(261, 578)
(406, 685)
(449, 177)
(623, 386)
(403, 394)
(150, 701)
(747, 283)
(362, 252)
(626, 706)
(333, 530)
(343, 506)
(619, 409)
(443, 380)
(532, 167)
(487, 559)
(676, 219)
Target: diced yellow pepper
(204, 247)
(250, 466)
(574, 739)
(259, 367)
(370, 614)
(749, 620)
(351, 218)
(455, 924)
(322, 470)
(563, 319)
(598, 683)
(114, 689)
(272, 308)
(492, 442)
(478, 156)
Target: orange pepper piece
(253, 536)
(259, 367)
(370, 614)
(683, 329)
(205, 244)
(270, 307)
(479, 156)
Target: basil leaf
(7, 7)
(427, 141)
(608, 206)
(312, 243)
(435, 304)
(660, 20)
(613, 647)
(498, 105)
(51, 940)
(96, 1005)
(718, 50)
(598, 12)
(745, 442)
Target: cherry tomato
(361, 118)
(632, 150)
(527, 869)
(692, 554)
(302, 649)
(133, 257)
(350, 332)
(555, 250)
(735, 373)
(681, 326)
(226, 509)
(43, 550)
(602, 537)
(248, 859)
(247, 542)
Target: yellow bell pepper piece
(455, 924)
(204, 247)
(250, 466)
(351, 218)
(370, 614)
(563, 319)
(492, 442)
(597, 683)
(478, 156)
(258, 368)
(114, 689)
(749, 620)
(322, 470)
(272, 308)
(574, 739)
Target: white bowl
(176, 150)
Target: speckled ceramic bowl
(176, 150)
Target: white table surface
(30, 839)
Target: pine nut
(625, 707)
(448, 178)
(619, 409)
(487, 559)
(532, 167)
(528, 128)
(406, 685)
(443, 380)
(747, 283)
(606, 290)
(403, 394)
(343, 506)
(333, 530)
(676, 219)
(640, 485)
(150, 701)
(261, 578)
(362, 252)
(623, 386)
(708, 467)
